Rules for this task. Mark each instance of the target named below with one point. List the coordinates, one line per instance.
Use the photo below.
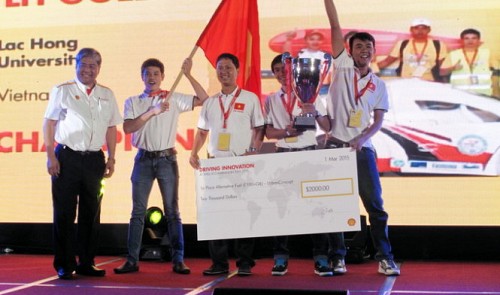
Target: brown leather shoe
(181, 268)
(126, 268)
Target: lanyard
(229, 109)
(357, 94)
(470, 62)
(421, 54)
(161, 93)
(288, 104)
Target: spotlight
(103, 188)
(155, 243)
(154, 217)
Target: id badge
(474, 80)
(419, 71)
(291, 139)
(224, 141)
(355, 118)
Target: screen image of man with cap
(420, 56)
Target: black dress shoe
(181, 268)
(126, 268)
(90, 270)
(216, 270)
(64, 274)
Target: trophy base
(302, 123)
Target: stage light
(155, 243)
(154, 216)
(103, 185)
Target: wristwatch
(252, 149)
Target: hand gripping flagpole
(179, 76)
(193, 51)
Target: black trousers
(219, 251)
(77, 186)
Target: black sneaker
(244, 269)
(280, 267)
(216, 270)
(322, 268)
(338, 266)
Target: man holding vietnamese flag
(233, 119)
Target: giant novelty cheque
(277, 194)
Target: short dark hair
(470, 31)
(278, 59)
(88, 52)
(231, 57)
(152, 62)
(363, 36)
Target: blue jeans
(166, 172)
(370, 191)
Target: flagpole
(179, 76)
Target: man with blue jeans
(357, 103)
(280, 109)
(152, 119)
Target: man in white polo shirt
(152, 120)
(280, 111)
(234, 122)
(356, 94)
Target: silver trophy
(305, 76)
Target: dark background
(408, 242)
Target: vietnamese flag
(234, 28)
(239, 106)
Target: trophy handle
(327, 61)
(287, 62)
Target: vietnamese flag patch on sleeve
(372, 86)
(239, 106)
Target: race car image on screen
(435, 129)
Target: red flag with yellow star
(234, 28)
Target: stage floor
(33, 274)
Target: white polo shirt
(277, 115)
(244, 117)
(341, 100)
(83, 119)
(160, 131)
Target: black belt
(336, 144)
(82, 153)
(307, 148)
(158, 154)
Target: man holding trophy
(291, 118)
